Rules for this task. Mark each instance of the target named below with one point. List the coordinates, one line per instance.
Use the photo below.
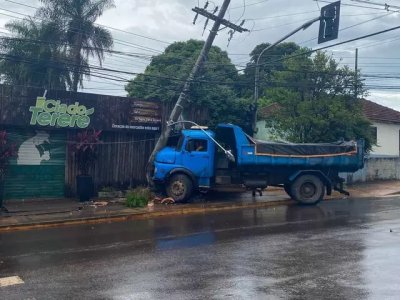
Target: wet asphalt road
(338, 250)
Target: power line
(309, 12)
(122, 53)
(385, 5)
(287, 15)
(354, 25)
(109, 27)
(251, 4)
(353, 5)
(323, 48)
(78, 30)
(271, 83)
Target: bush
(107, 189)
(138, 197)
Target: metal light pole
(257, 71)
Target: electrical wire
(352, 26)
(104, 26)
(353, 5)
(78, 30)
(251, 4)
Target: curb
(141, 215)
(155, 214)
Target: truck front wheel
(180, 187)
(307, 189)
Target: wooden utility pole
(182, 100)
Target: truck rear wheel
(307, 189)
(180, 187)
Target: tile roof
(376, 112)
(373, 111)
(269, 110)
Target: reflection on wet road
(345, 249)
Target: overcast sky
(167, 21)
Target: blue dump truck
(202, 159)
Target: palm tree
(34, 56)
(84, 38)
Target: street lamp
(328, 30)
(257, 71)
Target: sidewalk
(25, 215)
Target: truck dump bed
(262, 155)
(307, 150)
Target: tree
(28, 59)
(84, 38)
(316, 101)
(270, 61)
(214, 87)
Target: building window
(374, 134)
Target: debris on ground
(168, 200)
(101, 203)
(157, 200)
(98, 204)
(160, 200)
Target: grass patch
(138, 197)
(107, 189)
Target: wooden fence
(122, 157)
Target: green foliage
(54, 52)
(214, 87)
(29, 60)
(83, 37)
(84, 149)
(107, 189)
(317, 103)
(138, 197)
(270, 61)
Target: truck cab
(188, 165)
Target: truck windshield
(174, 141)
(180, 142)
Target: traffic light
(329, 23)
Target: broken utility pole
(182, 100)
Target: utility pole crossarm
(208, 15)
(182, 100)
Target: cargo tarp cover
(291, 149)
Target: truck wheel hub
(178, 188)
(307, 190)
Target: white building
(386, 125)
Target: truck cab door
(197, 157)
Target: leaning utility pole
(182, 100)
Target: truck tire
(179, 187)
(307, 189)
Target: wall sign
(27, 107)
(55, 113)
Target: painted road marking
(12, 280)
